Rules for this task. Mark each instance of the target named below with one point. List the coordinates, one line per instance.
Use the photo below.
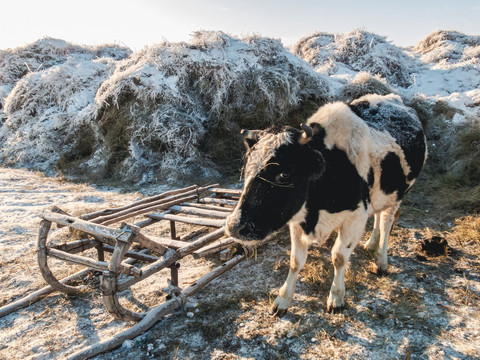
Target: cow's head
(279, 165)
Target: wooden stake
(173, 230)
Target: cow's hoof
(335, 309)
(275, 311)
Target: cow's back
(384, 143)
(388, 114)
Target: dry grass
(466, 233)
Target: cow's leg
(372, 243)
(298, 256)
(348, 237)
(387, 218)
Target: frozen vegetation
(172, 111)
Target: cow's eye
(282, 177)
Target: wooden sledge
(206, 207)
(134, 255)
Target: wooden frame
(207, 207)
(204, 206)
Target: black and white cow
(350, 161)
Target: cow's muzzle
(240, 230)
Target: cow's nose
(234, 227)
(234, 230)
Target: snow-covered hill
(173, 111)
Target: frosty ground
(427, 307)
(171, 113)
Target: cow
(350, 161)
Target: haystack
(356, 51)
(450, 47)
(169, 112)
(174, 111)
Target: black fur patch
(371, 178)
(402, 124)
(340, 187)
(361, 108)
(392, 178)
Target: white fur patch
(347, 132)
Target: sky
(146, 22)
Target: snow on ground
(424, 309)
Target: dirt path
(426, 308)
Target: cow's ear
(250, 137)
(307, 134)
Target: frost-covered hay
(356, 51)
(171, 111)
(363, 84)
(178, 105)
(449, 47)
(47, 52)
(47, 91)
(49, 114)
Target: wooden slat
(172, 244)
(150, 199)
(76, 246)
(226, 254)
(214, 247)
(172, 256)
(94, 264)
(225, 191)
(161, 204)
(133, 254)
(200, 212)
(189, 220)
(150, 243)
(86, 226)
(218, 201)
(192, 234)
(209, 207)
